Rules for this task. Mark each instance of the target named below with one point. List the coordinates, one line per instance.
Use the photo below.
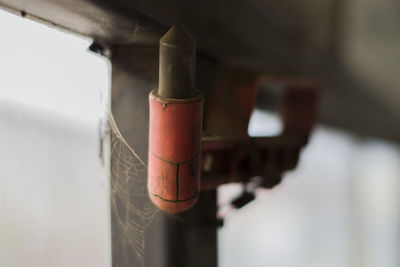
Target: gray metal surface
(177, 70)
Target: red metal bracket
(228, 153)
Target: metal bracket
(229, 155)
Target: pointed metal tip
(177, 36)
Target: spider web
(132, 209)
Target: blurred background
(339, 208)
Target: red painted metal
(179, 154)
(174, 151)
(229, 155)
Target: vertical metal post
(188, 239)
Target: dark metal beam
(187, 239)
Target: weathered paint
(175, 132)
